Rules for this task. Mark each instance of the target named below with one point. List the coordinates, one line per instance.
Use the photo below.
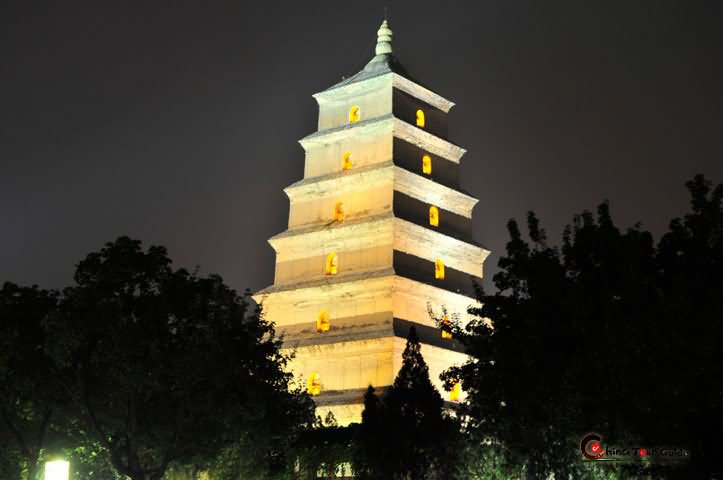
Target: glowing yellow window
(322, 322)
(426, 165)
(420, 118)
(314, 384)
(339, 212)
(439, 269)
(354, 114)
(455, 392)
(446, 323)
(346, 161)
(434, 216)
(332, 264)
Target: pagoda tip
(384, 39)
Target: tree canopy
(156, 366)
(405, 433)
(607, 333)
(30, 402)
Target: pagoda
(379, 239)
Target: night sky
(177, 122)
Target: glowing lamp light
(57, 470)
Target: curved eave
(427, 141)
(339, 181)
(421, 93)
(434, 193)
(366, 282)
(297, 288)
(402, 235)
(399, 77)
(404, 181)
(400, 129)
(365, 223)
(329, 135)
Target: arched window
(346, 161)
(313, 386)
(439, 269)
(426, 164)
(332, 264)
(446, 324)
(420, 118)
(354, 114)
(322, 322)
(434, 216)
(455, 392)
(339, 212)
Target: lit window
(322, 322)
(446, 324)
(339, 211)
(434, 216)
(346, 161)
(314, 384)
(332, 264)
(420, 118)
(354, 114)
(427, 165)
(455, 392)
(439, 269)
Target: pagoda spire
(384, 40)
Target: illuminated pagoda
(379, 235)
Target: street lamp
(57, 470)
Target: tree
(89, 460)
(581, 334)
(324, 451)
(29, 395)
(167, 367)
(406, 434)
(688, 334)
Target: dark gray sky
(177, 122)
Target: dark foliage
(153, 367)
(607, 333)
(325, 451)
(30, 402)
(406, 434)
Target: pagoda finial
(384, 39)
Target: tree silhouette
(30, 401)
(166, 367)
(406, 434)
(607, 333)
(325, 451)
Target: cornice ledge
(329, 134)
(317, 183)
(333, 225)
(427, 141)
(418, 91)
(432, 192)
(462, 251)
(328, 282)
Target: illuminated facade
(379, 232)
